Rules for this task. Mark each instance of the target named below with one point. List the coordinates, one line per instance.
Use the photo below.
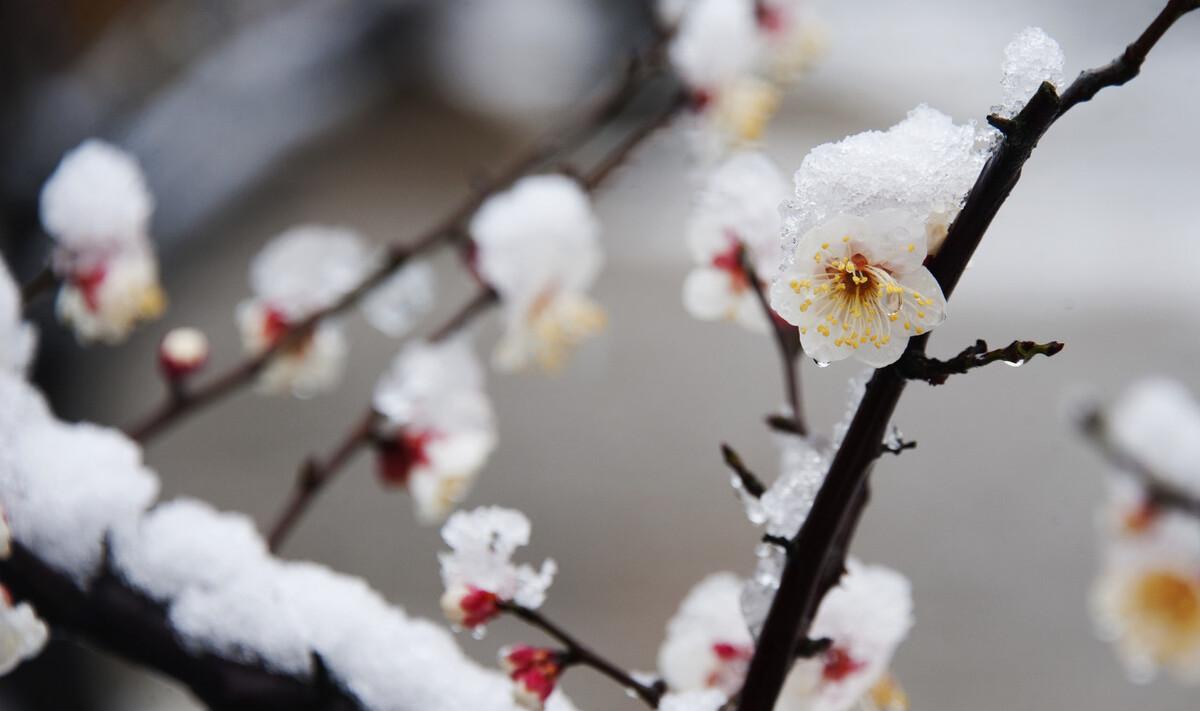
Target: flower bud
(469, 606)
(183, 351)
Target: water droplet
(822, 363)
(479, 633)
(1015, 363)
(736, 482)
(631, 692)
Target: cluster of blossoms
(537, 244)
(735, 221)
(437, 428)
(708, 646)
(1147, 597)
(96, 208)
(735, 57)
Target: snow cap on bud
(534, 671)
(469, 606)
(183, 351)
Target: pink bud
(534, 671)
(469, 606)
(183, 351)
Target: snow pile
(1031, 58)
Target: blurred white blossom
(538, 246)
(438, 427)
(97, 209)
(1156, 423)
(300, 272)
(737, 209)
(478, 572)
(857, 287)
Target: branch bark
(936, 372)
(819, 549)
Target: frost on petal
(105, 301)
(1032, 57)
(396, 305)
(308, 268)
(65, 487)
(1156, 422)
(483, 542)
(96, 201)
(17, 338)
(925, 165)
(22, 633)
(184, 544)
(538, 246)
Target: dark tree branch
(121, 620)
(917, 366)
(1159, 493)
(750, 483)
(787, 342)
(578, 652)
(482, 301)
(819, 549)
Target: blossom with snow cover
(538, 247)
(97, 209)
(534, 671)
(17, 338)
(437, 427)
(733, 56)
(708, 646)
(867, 212)
(736, 210)
(300, 272)
(478, 573)
(22, 632)
(1156, 424)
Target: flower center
(839, 665)
(733, 660)
(399, 457)
(1166, 608)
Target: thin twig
(40, 283)
(579, 652)
(787, 342)
(483, 300)
(935, 372)
(752, 484)
(817, 559)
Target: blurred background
(249, 117)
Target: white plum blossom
(438, 428)
(97, 209)
(737, 209)
(708, 646)
(538, 247)
(1147, 597)
(18, 339)
(478, 573)
(1032, 57)
(396, 305)
(795, 39)
(857, 287)
(22, 633)
(300, 272)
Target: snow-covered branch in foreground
(192, 592)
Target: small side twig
(897, 448)
(787, 341)
(917, 366)
(579, 653)
(751, 483)
(40, 283)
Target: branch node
(753, 486)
